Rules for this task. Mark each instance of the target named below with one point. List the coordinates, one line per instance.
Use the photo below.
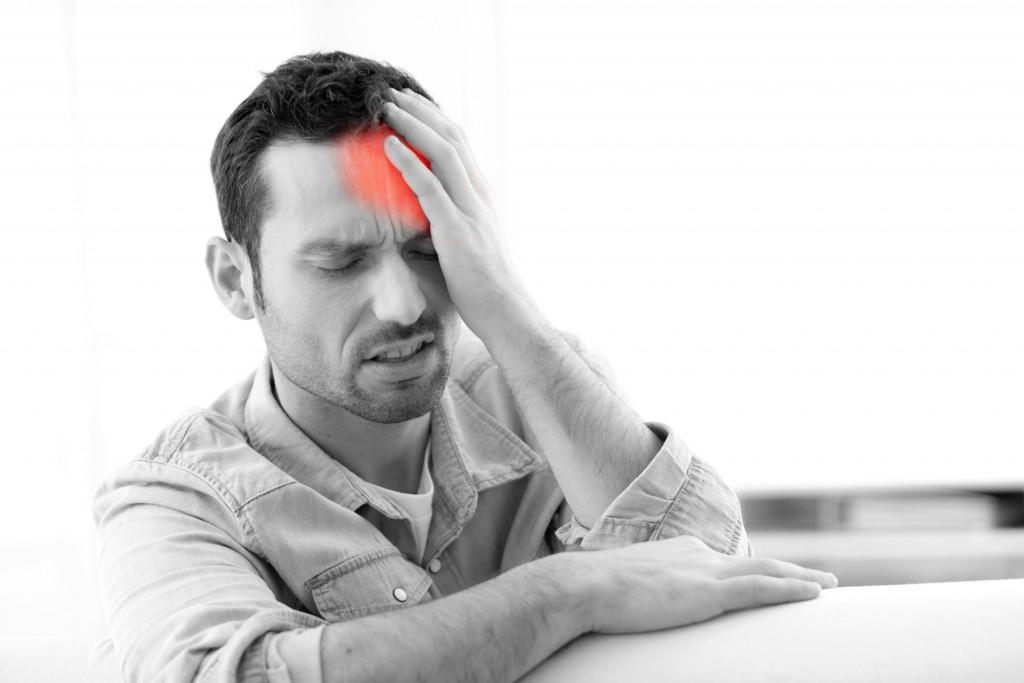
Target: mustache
(391, 332)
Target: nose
(396, 293)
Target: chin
(398, 404)
(391, 410)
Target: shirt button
(434, 566)
(400, 595)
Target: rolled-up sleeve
(186, 599)
(677, 494)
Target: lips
(401, 364)
(399, 352)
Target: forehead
(315, 193)
(371, 178)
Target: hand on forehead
(368, 176)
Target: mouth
(402, 351)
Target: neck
(388, 455)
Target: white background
(795, 228)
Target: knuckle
(415, 106)
(449, 153)
(455, 133)
(689, 544)
(434, 184)
(814, 575)
(759, 584)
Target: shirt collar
(470, 451)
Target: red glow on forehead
(369, 177)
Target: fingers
(433, 197)
(767, 566)
(415, 95)
(430, 114)
(444, 158)
(755, 590)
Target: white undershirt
(418, 506)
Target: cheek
(309, 309)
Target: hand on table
(680, 581)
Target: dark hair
(314, 97)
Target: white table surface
(959, 632)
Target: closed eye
(423, 255)
(422, 249)
(343, 269)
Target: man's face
(349, 285)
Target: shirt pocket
(375, 581)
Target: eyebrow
(330, 246)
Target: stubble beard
(299, 358)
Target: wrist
(517, 326)
(574, 589)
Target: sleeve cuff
(294, 656)
(249, 655)
(677, 494)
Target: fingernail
(835, 580)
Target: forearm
(595, 444)
(495, 631)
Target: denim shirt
(233, 538)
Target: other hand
(680, 581)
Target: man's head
(337, 278)
(319, 97)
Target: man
(389, 495)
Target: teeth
(400, 352)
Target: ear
(228, 267)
